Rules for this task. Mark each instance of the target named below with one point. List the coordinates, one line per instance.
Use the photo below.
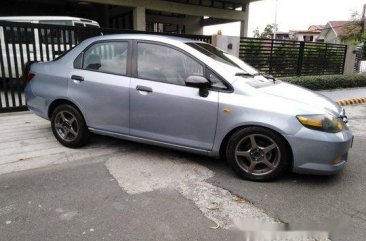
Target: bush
(327, 82)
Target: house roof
(316, 28)
(305, 31)
(337, 26)
(313, 29)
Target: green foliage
(352, 33)
(326, 82)
(267, 31)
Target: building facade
(310, 35)
(332, 32)
(175, 16)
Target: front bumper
(320, 153)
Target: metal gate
(291, 58)
(21, 43)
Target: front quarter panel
(236, 110)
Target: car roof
(144, 36)
(44, 18)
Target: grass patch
(328, 82)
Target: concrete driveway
(117, 190)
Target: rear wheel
(258, 154)
(68, 126)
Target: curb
(352, 101)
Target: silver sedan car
(188, 95)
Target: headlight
(327, 123)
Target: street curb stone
(352, 101)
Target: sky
(292, 14)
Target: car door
(162, 108)
(100, 86)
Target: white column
(193, 25)
(350, 62)
(244, 23)
(139, 19)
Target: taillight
(30, 76)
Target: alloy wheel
(257, 154)
(66, 126)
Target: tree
(256, 33)
(352, 32)
(266, 33)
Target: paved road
(113, 190)
(82, 201)
(337, 202)
(344, 93)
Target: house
(310, 35)
(332, 32)
(282, 35)
(174, 16)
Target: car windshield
(230, 62)
(224, 58)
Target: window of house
(165, 64)
(108, 57)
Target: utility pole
(275, 21)
(363, 21)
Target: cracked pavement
(119, 190)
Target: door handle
(144, 88)
(77, 77)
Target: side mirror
(200, 82)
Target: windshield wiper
(243, 74)
(268, 76)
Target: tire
(258, 154)
(68, 126)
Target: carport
(174, 16)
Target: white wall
(332, 38)
(229, 44)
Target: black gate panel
(291, 58)
(21, 43)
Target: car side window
(216, 82)
(107, 57)
(165, 64)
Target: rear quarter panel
(49, 84)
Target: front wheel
(68, 126)
(258, 154)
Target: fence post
(301, 58)
(350, 59)
(325, 58)
(271, 58)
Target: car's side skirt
(152, 142)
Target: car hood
(302, 95)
